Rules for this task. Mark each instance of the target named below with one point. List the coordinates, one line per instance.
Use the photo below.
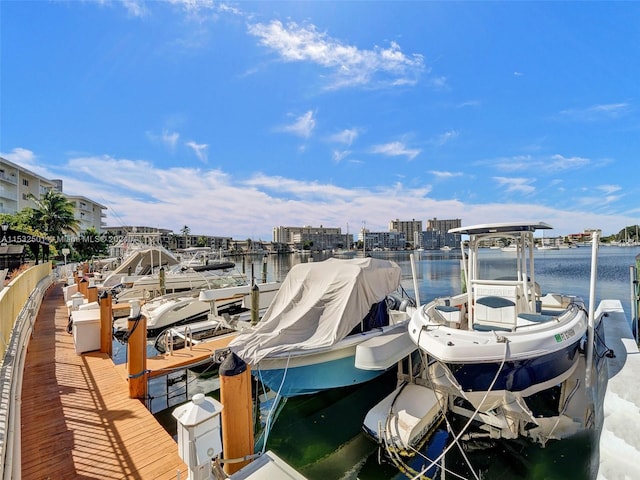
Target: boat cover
(318, 305)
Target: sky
(234, 118)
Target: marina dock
(77, 419)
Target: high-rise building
(408, 227)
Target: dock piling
(106, 322)
(137, 356)
(237, 414)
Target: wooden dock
(77, 418)
(182, 358)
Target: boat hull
(514, 376)
(306, 379)
(303, 372)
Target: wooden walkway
(78, 421)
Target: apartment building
(18, 184)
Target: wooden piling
(83, 286)
(237, 414)
(137, 356)
(255, 304)
(106, 323)
(92, 294)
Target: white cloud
(339, 155)
(517, 185)
(608, 189)
(350, 66)
(560, 162)
(346, 136)
(170, 139)
(200, 149)
(27, 159)
(135, 8)
(446, 137)
(542, 164)
(597, 112)
(194, 7)
(396, 149)
(303, 125)
(445, 175)
(439, 83)
(213, 202)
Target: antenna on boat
(595, 242)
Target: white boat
(404, 418)
(177, 337)
(446, 248)
(138, 263)
(309, 337)
(188, 307)
(501, 341)
(178, 278)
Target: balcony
(9, 178)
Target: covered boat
(308, 337)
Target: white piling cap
(198, 410)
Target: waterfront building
(408, 228)
(382, 240)
(18, 185)
(312, 238)
(145, 235)
(88, 213)
(437, 234)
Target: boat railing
(188, 337)
(168, 341)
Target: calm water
(321, 435)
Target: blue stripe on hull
(315, 378)
(515, 376)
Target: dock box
(86, 330)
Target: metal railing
(19, 305)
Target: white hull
(174, 309)
(404, 417)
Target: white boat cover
(318, 305)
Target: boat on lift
(512, 361)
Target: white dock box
(86, 330)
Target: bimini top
(509, 227)
(318, 304)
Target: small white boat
(501, 341)
(188, 307)
(308, 339)
(404, 418)
(215, 326)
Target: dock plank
(77, 419)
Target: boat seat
(490, 328)
(448, 314)
(536, 317)
(495, 312)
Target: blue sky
(233, 118)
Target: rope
(466, 426)
(274, 404)
(564, 409)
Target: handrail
(188, 337)
(168, 341)
(33, 284)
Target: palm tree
(54, 215)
